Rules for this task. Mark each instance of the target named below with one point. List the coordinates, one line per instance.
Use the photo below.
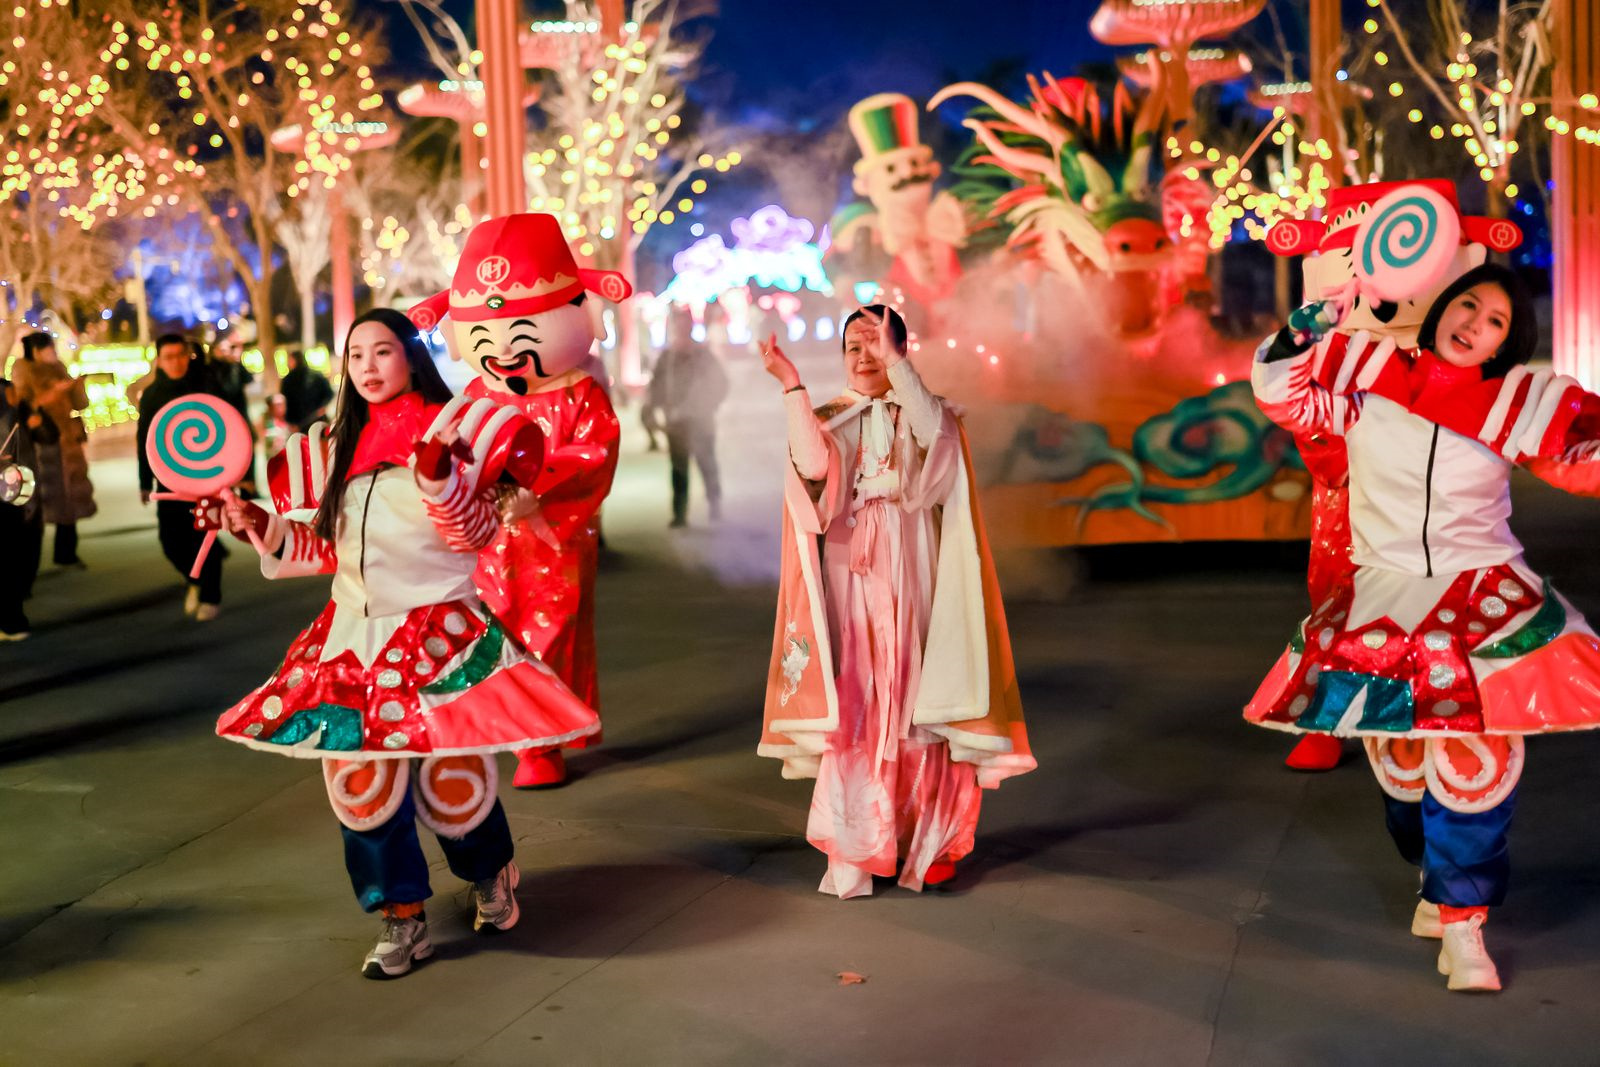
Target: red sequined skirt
(440, 680)
(1494, 651)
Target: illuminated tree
(1484, 64)
(202, 87)
(62, 178)
(413, 222)
(304, 233)
(613, 156)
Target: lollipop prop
(1406, 244)
(200, 448)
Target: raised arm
(808, 445)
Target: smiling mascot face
(517, 354)
(516, 309)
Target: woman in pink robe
(919, 710)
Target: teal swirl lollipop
(1406, 244)
(199, 448)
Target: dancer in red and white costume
(516, 312)
(1445, 649)
(404, 686)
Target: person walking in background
(685, 391)
(65, 492)
(23, 432)
(179, 373)
(230, 378)
(306, 394)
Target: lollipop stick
(200, 557)
(170, 496)
(255, 538)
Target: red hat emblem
(1337, 229)
(516, 265)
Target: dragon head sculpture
(1075, 187)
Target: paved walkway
(1161, 891)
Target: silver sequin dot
(1492, 607)
(1340, 616)
(313, 651)
(1325, 638)
(1477, 627)
(1511, 590)
(394, 655)
(437, 647)
(1374, 639)
(389, 679)
(1437, 640)
(398, 739)
(1446, 707)
(455, 624)
(1313, 672)
(1299, 704)
(296, 676)
(424, 667)
(391, 711)
(253, 730)
(1446, 615)
(541, 619)
(271, 707)
(1442, 676)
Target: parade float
(1104, 407)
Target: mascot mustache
(508, 369)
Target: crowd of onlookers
(41, 430)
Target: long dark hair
(354, 412)
(1522, 335)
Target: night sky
(777, 79)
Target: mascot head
(896, 169)
(1388, 249)
(515, 304)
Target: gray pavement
(1161, 891)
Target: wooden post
(504, 190)
(1575, 211)
(1323, 115)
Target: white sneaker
(1465, 961)
(1425, 922)
(15, 635)
(496, 899)
(191, 600)
(402, 942)
(207, 612)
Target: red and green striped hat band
(884, 123)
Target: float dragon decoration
(1072, 179)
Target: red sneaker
(1315, 752)
(939, 872)
(540, 769)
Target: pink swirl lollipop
(1406, 243)
(199, 447)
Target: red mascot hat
(515, 265)
(1297, 237)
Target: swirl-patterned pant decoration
(378, 804)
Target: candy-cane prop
(199, 447)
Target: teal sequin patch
(1546, 624)
(340, 727)
(1389, 705)
(1297, 643)
(479, 665)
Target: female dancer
(404, 686)
(1445, 649)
